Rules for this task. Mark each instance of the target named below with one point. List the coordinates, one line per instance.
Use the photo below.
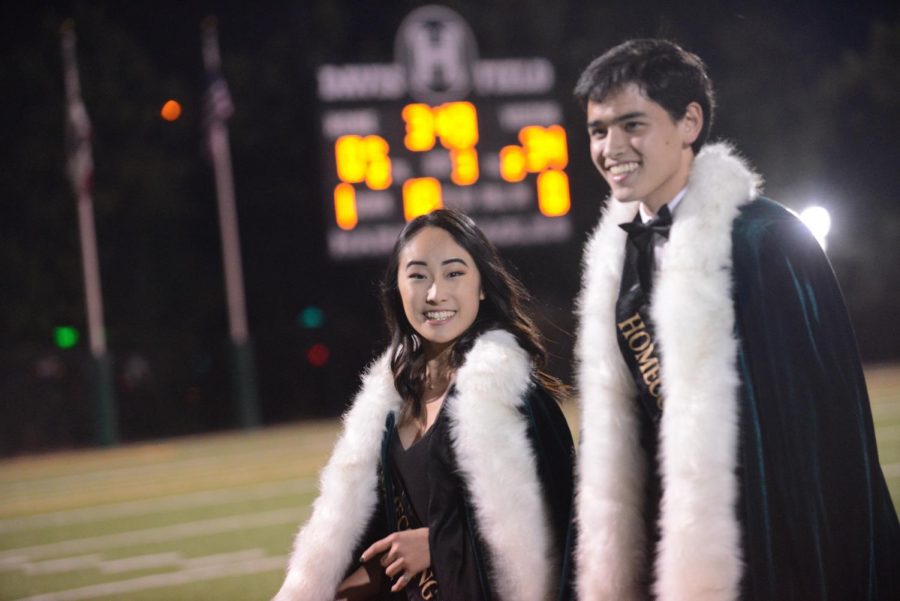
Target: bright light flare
(818, 220)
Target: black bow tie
(641, 236)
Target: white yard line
(208, 498)
(212, 464)
(886, 433)
(220, 558)
(886, 408)
(139, 562)
(56, 566)
(177, 560)
(307, 439)
(164, 534)
(891, 470)
(170, 559)
(192, 575)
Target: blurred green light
(65, 337)
(311, 317)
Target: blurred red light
(318, 355)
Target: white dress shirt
(659, 242)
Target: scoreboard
(440, 127)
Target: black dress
(441, 500)
(432, 495)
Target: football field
(209, 517)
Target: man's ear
(691, 124)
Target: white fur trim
(610, 464)
(495, 457)
(349, 494)
(700, 549)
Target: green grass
(209, 517)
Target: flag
(217, 104)
(217, 108)
(79, 160)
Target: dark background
(808, 91)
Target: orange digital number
(363, 159)
(513, 163)
(378, 174)
(464, 166)
(553, 193)
(421, 196)
(419, 120)
(455, 124)
(345, 206)
(545, 147)
(543, 151)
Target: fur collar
(699, 555)
(489, 436)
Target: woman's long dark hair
(502, 308)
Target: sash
(637, 343)
(636, 338)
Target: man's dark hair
(666, 73)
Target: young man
(727, 447)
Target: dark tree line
(810, 95)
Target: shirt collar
(645, 214)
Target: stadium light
(818, 220)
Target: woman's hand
(405, 553)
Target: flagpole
(218, 108)
(80, 168)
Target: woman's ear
(481, 295)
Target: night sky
(808, 91)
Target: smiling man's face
(642, 153)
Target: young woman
(452, 478)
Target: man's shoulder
(768, 233)
(763, 218)
(763, 208)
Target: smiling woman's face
(440, 287)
